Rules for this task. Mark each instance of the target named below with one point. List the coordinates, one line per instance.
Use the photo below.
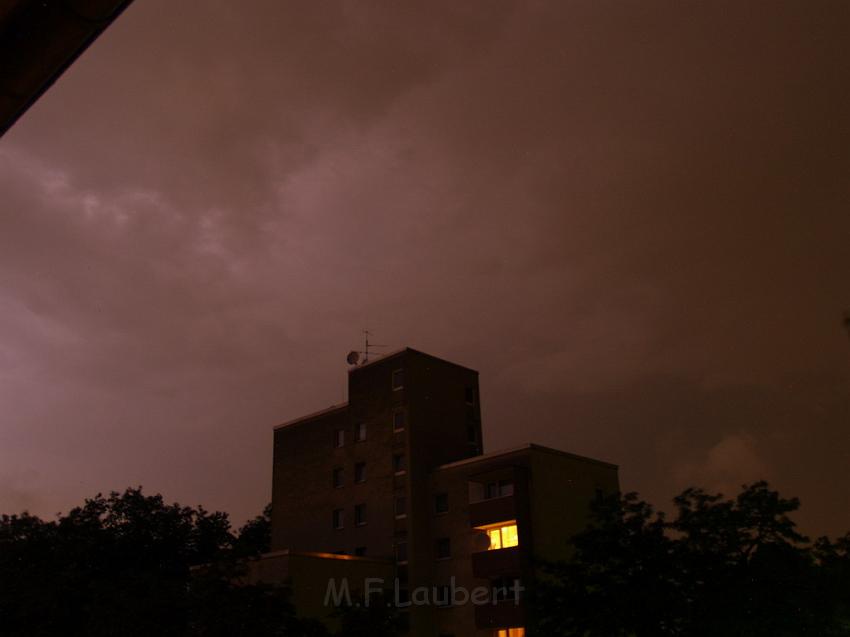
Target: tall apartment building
(394, 484)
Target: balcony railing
(492, 511)
(503, 614)
(490, 564)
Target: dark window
(399, 464)
(338, 518)
(360, 432)
(360, 551)
(360, 472)
(441, 503)
(504, 589)
(337, 477)
(444, 548)
(339, 437)
(471, 434)
(400, 506)
(398, 421)
(398, 379)
(469, 395)
(401, 551)
(359, 514)
(402, 574)
(499, 489)
(442, 596)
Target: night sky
(633, 218)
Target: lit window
(398, 421)
(339, 437)
(360, 472)
(510, 632)
(360, 432)
(398, 379)
(502, 536)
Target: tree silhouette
(123, 565)
(722, 568)
(255, 537)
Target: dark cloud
(631, 218)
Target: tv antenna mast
(353, 357)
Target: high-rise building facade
(395, 482)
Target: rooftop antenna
(353, 357)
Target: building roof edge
(313, 415)
(530, 446)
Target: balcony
(490, 564)
(501, 615)
(484, 512)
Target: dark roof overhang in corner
(39, 39)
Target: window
(401, 506)
(469, 395)
(360, 472)
(338, 518)
(337, 477)
(398, 421)
(471, 434)
(339, 437)
(499, 489)
(510, 632)
(398, 379)
(401, 552)
(505, 589)
(502, 536)
(399, 465)
(359, 514)
(444, 548)
(360, 551)
(360, 432)
(441, 503)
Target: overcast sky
(633, 218)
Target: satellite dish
(353, 358)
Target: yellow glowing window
(510, 632)
(502, 536)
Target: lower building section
(322, 582)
